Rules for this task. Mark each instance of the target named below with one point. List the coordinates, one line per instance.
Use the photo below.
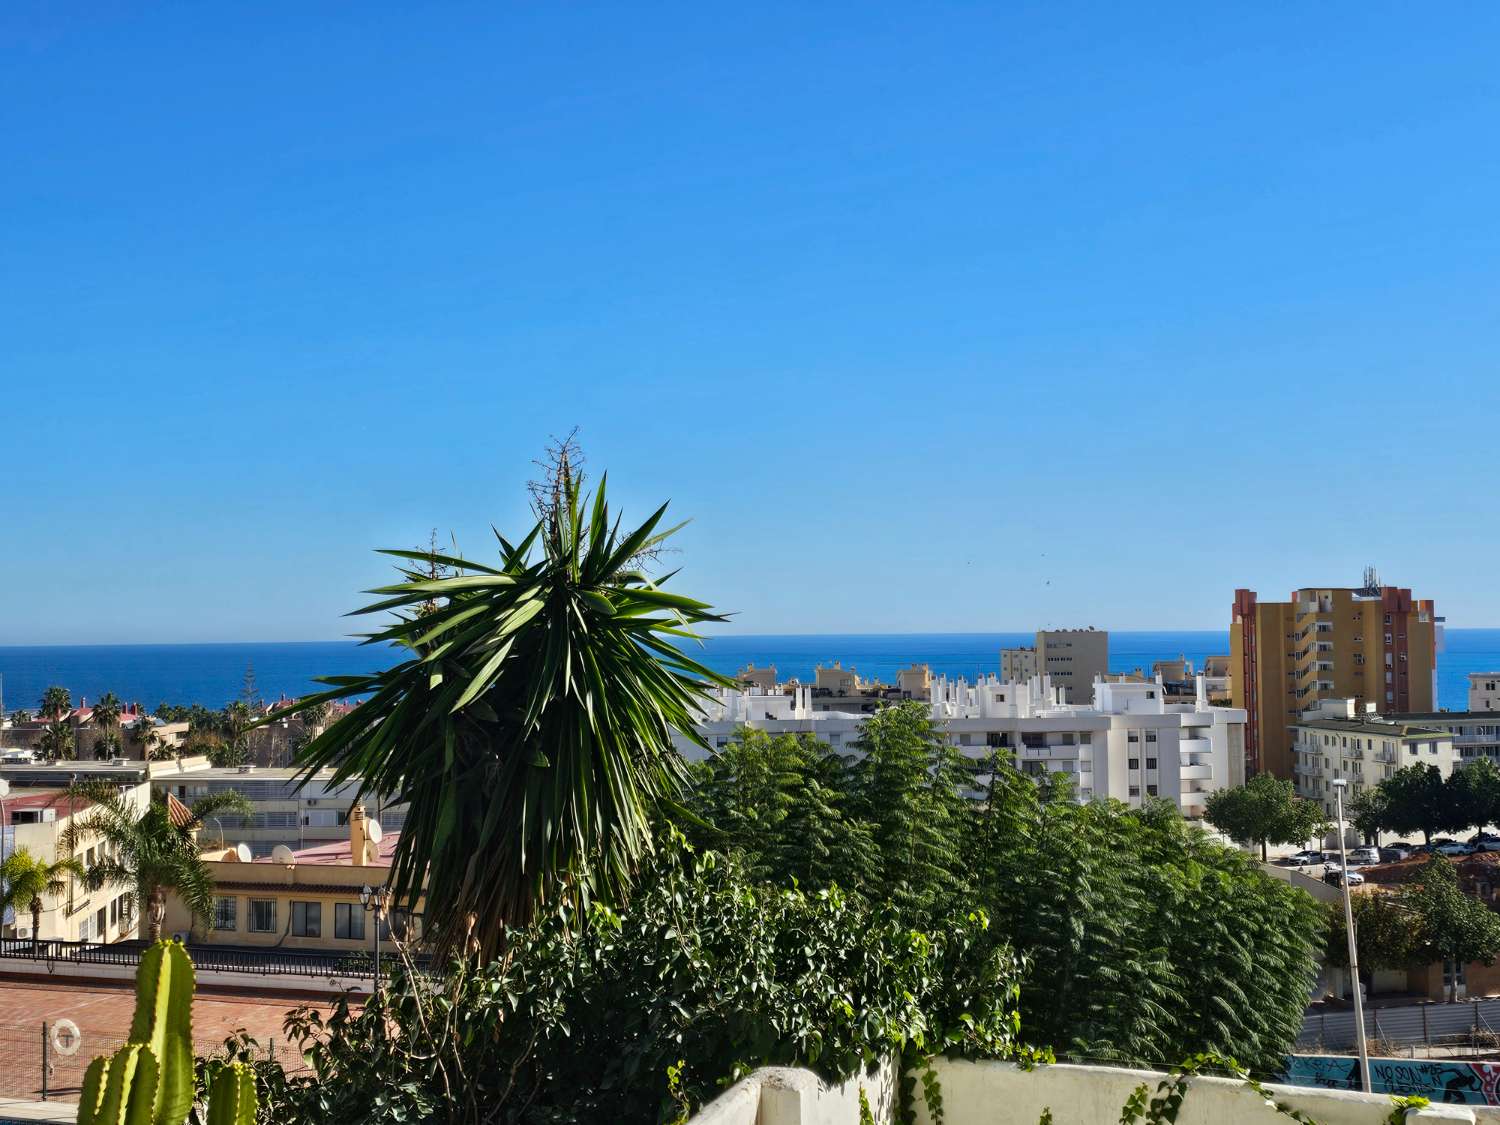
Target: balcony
(1203, 771)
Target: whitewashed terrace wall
(995, 1093)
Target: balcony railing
(206, 958)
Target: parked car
(1394, 853)
(1336, 876)
(1454, 847)
(16, 757)
(1305, 859)
(1363, 856)
(1489, 844)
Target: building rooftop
(30, 800)
(337, 854)
(1369, 726)
(1441, 716)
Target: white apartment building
(1334, 740)
(1484, 691)
(1476, 734)
(1129, 744)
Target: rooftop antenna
(1371, 582)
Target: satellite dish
(373, 831)
(243, 851)
(372, 853)
(283, 854)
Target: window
(1135, 790)
(1132, 737)
(1133, 763)
(262, 915)
(83, 930)
(114, 911)
(100, 926)
(1151, 790)
(349, 921)
(307, 919)
(226, 913)
(1150, 763)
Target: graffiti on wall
(1440, 1080)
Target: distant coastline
(213, 674)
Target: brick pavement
(102, 1012)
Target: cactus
(149, 1081)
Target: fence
(206, 958)
(33, 1068)
(1475, 1023)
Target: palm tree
(150, 849)
(24, 879)
(144, 735)
(106, 712)
(56, 702)
(57, 740)
(530, 727)
(20, 716)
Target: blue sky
(931, 316)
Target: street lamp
(1339, 786)
(373, 901)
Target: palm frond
(529, 728)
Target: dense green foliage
(646, 1013)
(1144, 939)
(529, 727)
(1418, 798)
(1265, 810)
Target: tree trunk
(157, 912)
(36, 924)
(1263, 851)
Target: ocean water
(214, 674)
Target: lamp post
(4, 793)
(373, 901)
(1339, 786)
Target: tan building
(763, 678)
(914, 682)
(1376, 645)
(307, 899)
(1074, 659)
(34, 819)
(838, 680)
(1484, 691)
(1018, 665)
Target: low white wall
(778, 1095)
(996, 1093)
(992, 1092)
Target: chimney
(358, 837)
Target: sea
(214, 674)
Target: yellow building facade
(1376, 645)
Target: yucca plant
(529, 727)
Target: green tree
(225, 755)
(907, 784)
(25, 880)
(56, 741)
(1368, 813)
(776, 801)
(106, 745)
(146, 851)
(1417, 800)
(56, 702)
(1385, 933)
(1473, 794)
(531, 720)
(20, 716)
(1265, 810)
(106, 712)
(144, 735)
(1451, 925)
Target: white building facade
(1333, 741)
(1484, 691)
(1129, 744)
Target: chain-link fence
(44, 1061)
(1468, 1026)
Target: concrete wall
(994, 1093)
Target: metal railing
(206, 958)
